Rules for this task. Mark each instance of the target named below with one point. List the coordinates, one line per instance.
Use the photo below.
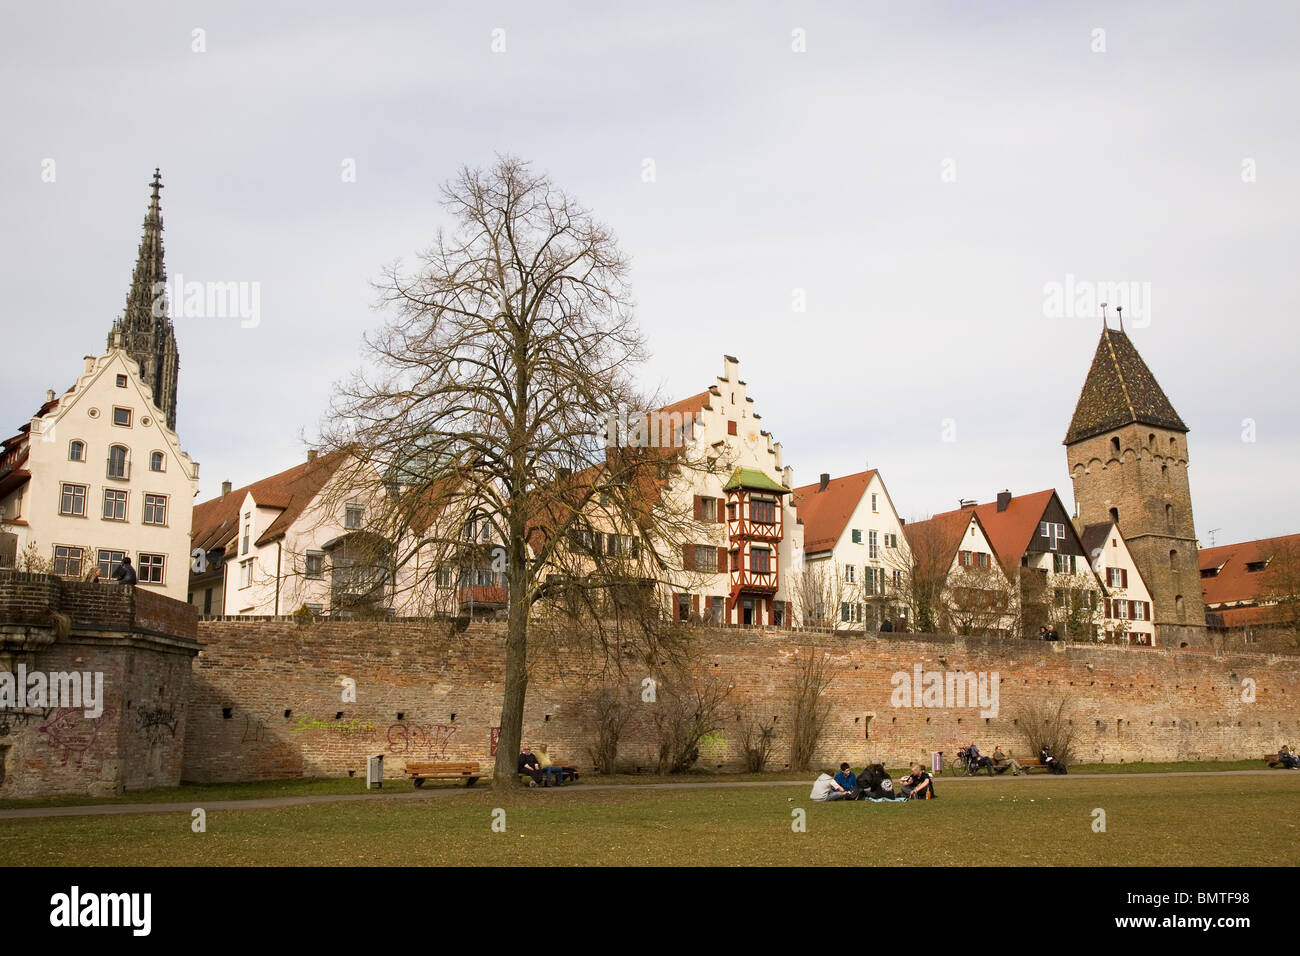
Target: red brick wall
(1126, 703)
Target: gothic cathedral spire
(144, 330)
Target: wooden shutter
(731, 428)
(695, 604)
(688, 557)
(720, 510)
(1123, 577)
(699, 507)
(722, 559)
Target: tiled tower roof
(1119, 390)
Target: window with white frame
(156, 461)
(76, 450)
(444, 577)
(1053, 531)
(73, 500)
(353, 514)
(151, 568)
(245, 573)
(314, 565)
(67, 561)
(873, 545)
(155, 509)
(848, 573)
(108, 560)
(114, 505)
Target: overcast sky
(922, 172)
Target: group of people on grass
(874, 783)
(542, 769)
(1286, 755)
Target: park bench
(570, 774)
(469, 772)
(1274, 760)
(1033, 763)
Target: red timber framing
(755, 530)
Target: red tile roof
(1011, 531)
(216, 522)
(935, 541)
(826, 513)
(1234, 584)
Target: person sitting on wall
(1051, 763)
(92, 576)
(886, 625)
(1042, 632)
(551, 768)
(125, 573)
(825, 789)
(848, 780)
(1287, 757)
(1002, 763)
(529, 767)
(1052, 634)
(918, 785)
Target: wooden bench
(469, 772)
(1033, 763)
(1274, 760)
(571, 773)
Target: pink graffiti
(419, 739)
(72, 733)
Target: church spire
(144, 330)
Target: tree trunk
(516, 687)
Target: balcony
(118, 469)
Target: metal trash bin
(375, 771)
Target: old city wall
(268, 697)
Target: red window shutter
(720, 508)
(699, 507)
(1123, 577)
(731, 428)
(1147, 605)
(722, 559)
(695, 603)
(688, 557)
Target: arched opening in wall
(1169, 517)
(1151, 441)
(1178, 606)
(1173, 446)
(117, 462)
(1164, 473)
(1114, 446)
(1173, 560)
(1114, 515)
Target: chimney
(826, 480)
(787, 476)
(964, 503)
(49, 394)
(1004, 500)
(225, 488)
(311, 454)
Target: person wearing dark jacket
(529, 766)
(918, 785)
(125, 573)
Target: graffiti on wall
(158, 723)
(72, 733)
(422, 740)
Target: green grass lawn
(397, 783)
(1170, 821)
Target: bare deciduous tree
(478, 434)
(809, 706)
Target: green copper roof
(754, 480)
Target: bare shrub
(611, 709)
(689, 709)
(1048, 724)
(756, 736)
(809, 708)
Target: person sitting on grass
(825, 789)
(1050, 762)
(847, 779)
(529, 767)
(875, 783)
(1002, 763)
(918, 785)
(1287, 757)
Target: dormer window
(1256, 566)
(76, 450)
